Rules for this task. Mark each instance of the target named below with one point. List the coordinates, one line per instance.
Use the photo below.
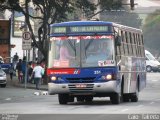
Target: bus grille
(87, 89)
(81, 80)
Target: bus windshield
(81, 51)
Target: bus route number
(97, 72)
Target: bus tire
(3, 85)
(125, 98)
(115, 98)
(88, 99)
(80, 99)
(63, 98)
(71, 99)
(134, 96)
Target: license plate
(81, 85)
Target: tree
(122, 17)
(151, 30)
(52, 11)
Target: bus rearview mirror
(118, 40)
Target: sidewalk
(15, 83)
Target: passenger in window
(106, 51)
(64, 52)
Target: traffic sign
(26, 40)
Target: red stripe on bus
(61, 71)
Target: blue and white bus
(90, 59)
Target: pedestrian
(19, 70)
(15, 60)
(11, 71)
(37, 73)
(30, 70)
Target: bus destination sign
(80, 29)
(89, 29)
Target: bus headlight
(53, 78)
(109, 77)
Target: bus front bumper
(83, 88)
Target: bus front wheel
(115, 98)
(80, 99)
(63, 98)
(89, 99)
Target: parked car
(151, 63)
(5, 64)
(3, 78)
(5, 67)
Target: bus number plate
(81, 85)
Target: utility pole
(26, 45)
(132, 4)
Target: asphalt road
(24, 101)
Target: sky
(147, 6)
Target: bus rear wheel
(126, 98)
(134, 96)
(63, 98)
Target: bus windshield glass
(81, 51)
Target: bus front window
(63, 53)
(81, 52)
(97, 52)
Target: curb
(15, 83)
(29, 87)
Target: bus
(90, 59)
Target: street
(24, 101)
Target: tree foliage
(151, 31)
(52, 11)
(122, 17)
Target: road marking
(124, 110)
(140, 105)
(152, 102)
(8, 99)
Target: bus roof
(79, 23)
(83, 23)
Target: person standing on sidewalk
(15, 60)
(30, 70)
(11, 71)
(19, 70)
(37, 73)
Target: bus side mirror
(118, 40)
